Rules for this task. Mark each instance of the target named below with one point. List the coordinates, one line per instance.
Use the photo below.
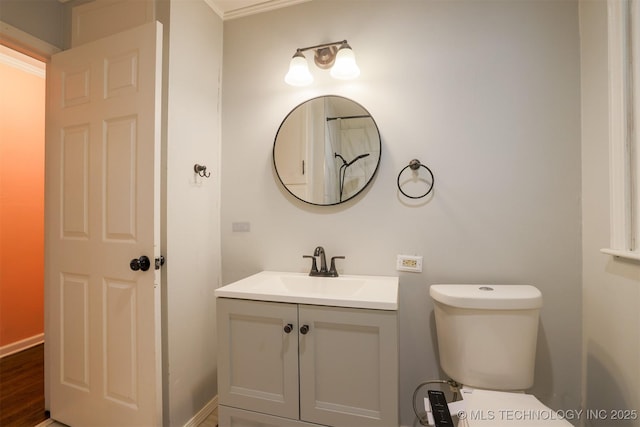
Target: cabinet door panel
(233, 417)
(258, 361)
(348, 367)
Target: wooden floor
(22, 388)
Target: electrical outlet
(411, 263)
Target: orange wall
(22, 101)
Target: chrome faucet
(323, 272)
(323, 260)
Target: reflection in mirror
(327, 150)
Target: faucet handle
(314, 266)
(332, 270)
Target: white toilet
(487, 342)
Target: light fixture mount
(325, 56)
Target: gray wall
(611, 291)
(191, 208)
(486, 93)
(44, 19)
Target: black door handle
(304, 329)
(143, 263)
(288, 328)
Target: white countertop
(373, 292)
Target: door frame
(25, 43)
(41, 50)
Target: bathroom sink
(375, 292)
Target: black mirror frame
(273, 155)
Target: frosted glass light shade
(345, 67)
(298, 74)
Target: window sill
(621, 253)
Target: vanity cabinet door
(257, 357)
(348, 366)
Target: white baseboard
(45, 423)
(203, 413)
(24, 344)
(193, 422)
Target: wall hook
(201, 170)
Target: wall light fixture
(337, 55)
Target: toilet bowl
(487, 338)
(487, 408)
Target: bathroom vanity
(295, 350)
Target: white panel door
(102, 210)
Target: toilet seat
(486, 408)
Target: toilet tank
(487, 334)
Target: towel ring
(414, 165)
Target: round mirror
(327, 150)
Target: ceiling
(229, 9)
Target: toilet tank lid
(488, 297)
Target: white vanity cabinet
(288, 364)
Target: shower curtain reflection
(349, 164)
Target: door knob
(304, 329)
(288, 328)
(143, 263)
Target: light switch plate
(241, 226)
